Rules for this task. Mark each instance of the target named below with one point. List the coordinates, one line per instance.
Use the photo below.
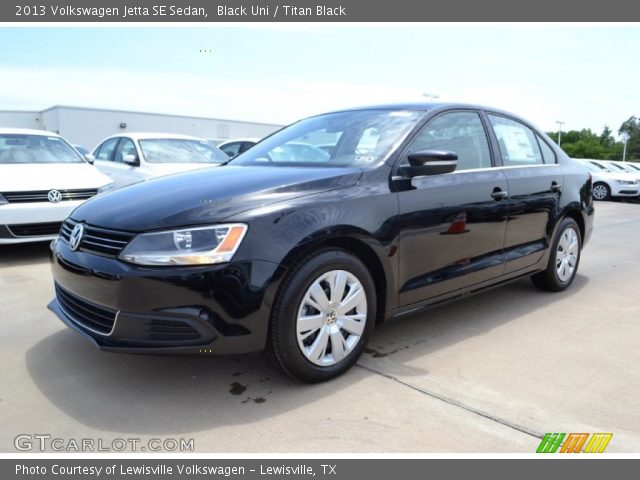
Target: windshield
(615, 166)
(178, 150)
(360, 138)
(17, 148)
(596, 167)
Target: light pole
(560, 123)
(430, 96)
(625, 137)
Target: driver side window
(459, 132)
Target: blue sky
(587, 76)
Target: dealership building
(88, 126)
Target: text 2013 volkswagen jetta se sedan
(416, 204)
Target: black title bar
(176, 469)
(318, 11)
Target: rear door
(452, 226)
(535, 183)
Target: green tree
(606, 139)
(588, 144)
(631, 128)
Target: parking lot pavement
(491, 373)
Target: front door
(452, 226)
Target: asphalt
(491, 373)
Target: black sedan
(301, 256)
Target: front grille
(34, 229)
(98, 240)
(42, 195)
(87, 315)
(172, 330)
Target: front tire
(601, 191)
(563, 260)
(322, 317)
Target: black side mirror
(430, 162)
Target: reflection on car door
(452, 226)
(534, 185)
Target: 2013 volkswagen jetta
(302, 255)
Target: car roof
(27, 131)
(434, 106)
(153, 135)
(422, 106)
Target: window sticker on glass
(516, 142)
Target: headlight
(106, 188)
(188, 246)
(3, 200)
(626, 182)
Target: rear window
(21, 149)
(517, 142)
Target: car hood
(49, 176)
(207, 196)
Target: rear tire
(322, 317)
(601, 191)
(563, 260)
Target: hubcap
(567, 255)
(331, 317)
(599, 192)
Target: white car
(608, 184)
(42, 179)
(136, 157)
(626, 167)
(632, 165)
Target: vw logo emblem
(76, 236)
(54, 196)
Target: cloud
(274, 101)
(283, 101)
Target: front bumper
(33, 222)
(217, 309)
(622, 190)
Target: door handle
(555, 187)
(499, 194)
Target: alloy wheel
(600, 192)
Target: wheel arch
(576, 215)
(363, 247)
